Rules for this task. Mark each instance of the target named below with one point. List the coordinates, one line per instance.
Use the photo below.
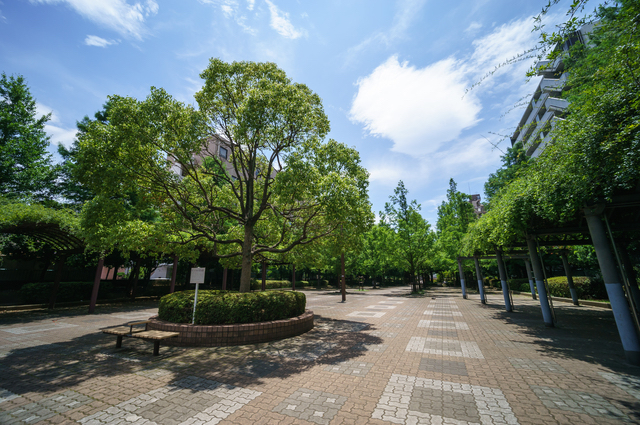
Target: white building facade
(547, 106)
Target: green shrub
(39, 293)
(559, 287)
(525, 287)
(224, 307)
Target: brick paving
(383, 357)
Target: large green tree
(455, 214)
(281, 186)
(412, 231)
(25, 166)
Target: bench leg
(119, 341)
(156, 348)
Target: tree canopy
(281, 186)
(25, 165)
(594, 150)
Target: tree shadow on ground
(29, 316)
(61, 366)
(584, 334)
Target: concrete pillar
(96, 286)
(462, 284)
(547, 316)
(480, 283)
(532, 285)
(621, 312)
(503, 281)
(567, 272)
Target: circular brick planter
(238, 334)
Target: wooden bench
(129, 331)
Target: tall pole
(483, 300)
(532, 284)
(503, 281)
(612, 282)
(344, 282)
(174, 274)
(569, 274)
(462, 284)
(547, 316)
(96, 286)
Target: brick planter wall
(239, 334)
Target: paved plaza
(383, 357)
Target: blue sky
(392, 74)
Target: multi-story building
(216, 147)
(478, 208)
(547, 106)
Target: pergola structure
(596, 225)
(63, 242)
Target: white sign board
(197, 275)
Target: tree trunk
(135, 274)
(56, 283)
(293, 277)
(174, 273)
(344, 283)
(247, 257)
(264, 276)
(224, 279)
(96, 286)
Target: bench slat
(121, 330)
(155, 335)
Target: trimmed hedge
(39, 293)
(559, 287)
(225, 308)
(525, 287)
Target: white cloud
(62, 136)
(127, 19)
(227, 10)
(231, 10)
(473, 27)
(418, 109)
(423, 110)
(94, 40)
(53, 127)
(469, 154)
(280, 22)
(406, 13)
(505, 42)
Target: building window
(224, 153)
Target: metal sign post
(197, 277)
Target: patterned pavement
(383, 357)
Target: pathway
(383, 357)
